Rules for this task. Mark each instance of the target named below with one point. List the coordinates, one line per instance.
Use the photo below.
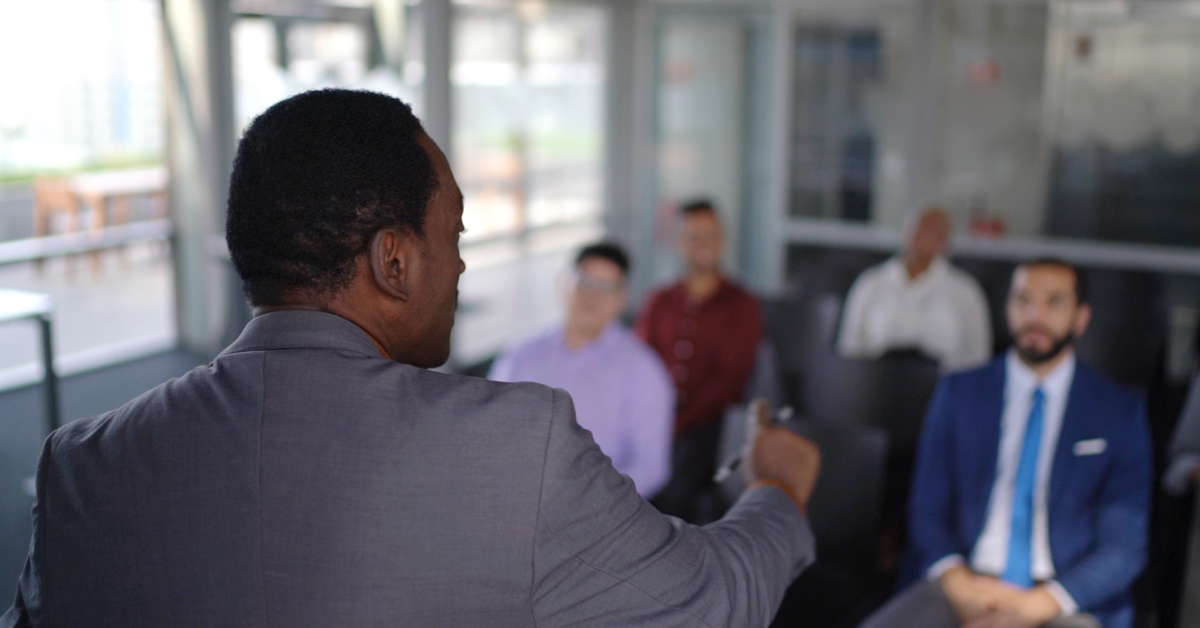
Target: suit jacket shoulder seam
(538, 513)
(262, 408)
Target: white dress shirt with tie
(991, 550)
(942, 312)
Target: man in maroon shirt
(707, 329)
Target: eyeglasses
(589, 283)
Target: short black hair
(698, 206)
(610, 251)
(1081, 291)
(315, 177)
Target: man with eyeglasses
(621, 389)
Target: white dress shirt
(991, 549)
(942, 312)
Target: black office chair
(801, 328)
(846, 505)
(844, 586)
(891, 392)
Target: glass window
(1124, 117)
(833, 145)
(376, 48)
(711, 125)
(528, 134)
(81, 139)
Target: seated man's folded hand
(974, 596)
(1017, 608)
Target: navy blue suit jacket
(1098, 505)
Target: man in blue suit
(1031, 496)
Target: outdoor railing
(47, 247)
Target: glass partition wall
(710, 121)
(528, 126)
(1066, 118)
(81, 149)
(1123, 121)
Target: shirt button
(680, 373)
(683, 350)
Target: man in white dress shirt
(917, 300)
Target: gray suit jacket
(303, 480)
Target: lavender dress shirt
(622, 394)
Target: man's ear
(1083, 318)
(391, 256)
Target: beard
(1033, 355)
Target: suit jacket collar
(303, 329)
(992, 409)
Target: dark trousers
(691, 494)
(925, 606)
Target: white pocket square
(1091, 447)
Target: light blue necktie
(1018, 570)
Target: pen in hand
(782, 416)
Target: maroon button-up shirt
(709, 347)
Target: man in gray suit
(315, 474)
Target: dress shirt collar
(303, 329)
(723, 287)
(1056, 383)
(606, 337)
(897, 271)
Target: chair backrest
(802, 325)
(801, 328)
(891, 392)
(1189, 614)
(765, 381)
(845, 508)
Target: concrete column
(439, 27)
(770, 275)
(638, 166)
(926, 115)
(619, 142)
(200, 135)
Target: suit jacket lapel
(988, 429)
(1074, 419)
